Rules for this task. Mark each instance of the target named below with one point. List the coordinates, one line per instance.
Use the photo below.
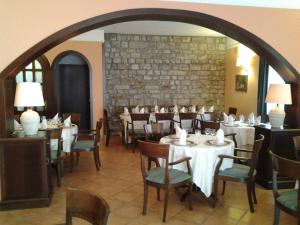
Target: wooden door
(74, 90)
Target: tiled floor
(119, 182)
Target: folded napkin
(183, 110)
(193, 108)
(242, 118)
(55, 118)
(220, 136)
(177, 130)
(175, 109)
(126, 112)
(251, 118)
(182, 138)
(17, 125)
(156, 109)
(230, 119)
(225, 117)
(162, 110)
(67, 122)
(142, 110)
(44, 124)
(258, 120)
(211, 109)
(136, 109)
(202, 110)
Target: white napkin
(230, 120)
(183, 110)
(162, 110)
(142, 110)
(220, 136)
(175, 110)
(242, 118)
(67, 122)
(156, 109)
(177, 130)
(44, 123)
(202, 110)
(251, 118)
(225, 117)
(126, 112)
(182, 138)
(17, 125)
(211, 109)
(258, 120)
(55, 118)
(193, 108)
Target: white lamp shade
(279, 94)
(29, 94)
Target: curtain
(262, 87)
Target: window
(33, 72)
(274, 78)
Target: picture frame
(241, 83)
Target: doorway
(72, 87)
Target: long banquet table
(204, 158)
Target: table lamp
(279, 94)
(29, 94)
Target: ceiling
(284, 4)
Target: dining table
(204, 152)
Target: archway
(275, 59)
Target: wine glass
(207, 131)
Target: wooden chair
(190, 117)
(86, 206)
(56, 152)
(296, 140)
(154, 132)
(208, 116)
(163, 177)
(75, 118)
(166, 117)
(232, 111)
(287, 201)
(240, 172)
(110, 126)
(134, 132)
(87, 145)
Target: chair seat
(157, 175)
(237, 171)
(115, 127)
(86, 145)
(288, 199)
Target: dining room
(192, 93)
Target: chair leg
(145, 199)
(216, 184)
(224, 186)
(158, 193)
(107, 138)
(249, 193)
(77, 158)
(96, 161)
(58, 173)
(253, 193)
(166, 204)
(276, 215)
(190, 196)
(71, 161)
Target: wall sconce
(244, 59)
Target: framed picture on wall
(241, 83)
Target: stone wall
(164, 70)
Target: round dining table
(204, 152)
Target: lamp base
(276, 117)
(30, 121)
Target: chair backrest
(87, 206)
(187, 116)
(209, 124)
(98, 132)
(164, 116)
(296, 140)
(106, 121)
(140, 117)
(153, 131)
(151, 150)
(75, 117)
(232, 111)
(255, 153)
(208, 116)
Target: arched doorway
(263, 49)
(71, 83)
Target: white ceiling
(285, 4)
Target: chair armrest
(233, 157)
(180, 161)
(242, 150)
(230, 134)
(175, 121)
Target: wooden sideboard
(24, 173)
(280, 141)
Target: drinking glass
(207, 131)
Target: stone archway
(275, 59)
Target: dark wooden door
(74, 91)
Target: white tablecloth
(67, 135)
(244, 133)
(204, 159)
